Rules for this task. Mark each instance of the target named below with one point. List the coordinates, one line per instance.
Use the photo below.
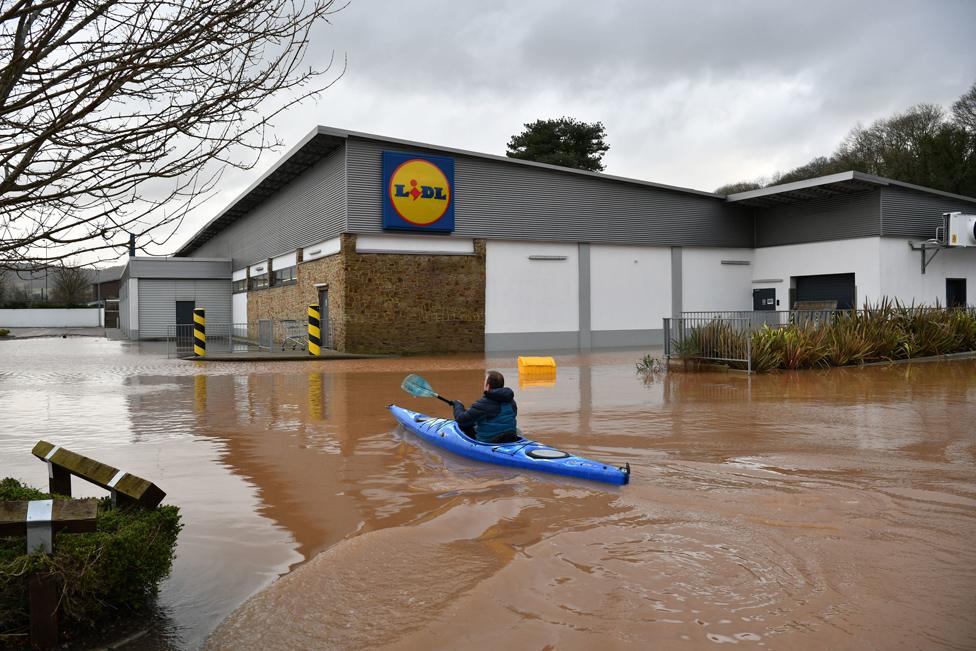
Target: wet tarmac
(814, 510)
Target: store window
(286, 276)
(258, 282)
(239, 286)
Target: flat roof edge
(839, 177)
(343, 133)
(795, 185)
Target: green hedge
(107, 574)
(887, 331)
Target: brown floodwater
(824, 509)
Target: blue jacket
(491, 415)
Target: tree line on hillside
(925, 145)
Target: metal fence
(265, 335)
(771, 318)
(221, 338)
(714, 339)
(725, 335)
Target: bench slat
(128, 486)
(70, 516)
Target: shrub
(886, 331)
(649, 364)
(767, 349)
(4, 332)
(106, 574)
(849, 341)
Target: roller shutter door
(828, 287)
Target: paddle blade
(418, 386)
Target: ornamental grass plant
(884, 332)
(109, 574)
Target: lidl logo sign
(418, 192)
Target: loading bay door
(826, 287)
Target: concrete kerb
(36, 333)
(949, 357)
(282, 357)
(933, 358)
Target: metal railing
(713, 339)
(726, 336)
(266, 335)
(221, 338)
(771, 318)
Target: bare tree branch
(118, 116)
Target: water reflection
(774, 509)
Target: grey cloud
(695, 93)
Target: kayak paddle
(418, 386)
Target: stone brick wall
(399, 303)
(388, 303)
(291, 301)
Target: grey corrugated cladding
(818, 220)
(177, 268)
(909, 213)
(312, 208)
(506, 200)
(157, 302)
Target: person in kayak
(491, 419)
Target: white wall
(859, 256)
(50, 318)
(132, 293)
(322, 249)
(630, 287)
(239, 308)
(523, 295)
(901, 273)
(284, 261)
(709, 285)
(421, 244)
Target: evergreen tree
(566, 142)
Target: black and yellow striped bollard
(314, 330)
(199, 332)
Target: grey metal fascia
(795, 185)
(342, 133)
(911, 186)
(838, 178)
(261, 179)
(175, 258)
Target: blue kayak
(523, 453)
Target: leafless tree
(118, 116)
(71, 286)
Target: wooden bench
(39, 520)
(126, 488)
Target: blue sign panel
(418, 192)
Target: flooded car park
(803, 510)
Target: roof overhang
(310, 150)
(831, 185)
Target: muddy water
(816, 510)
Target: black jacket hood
(504, 394)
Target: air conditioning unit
(960, 229)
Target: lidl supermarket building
(412, 247)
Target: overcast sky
(692, 93)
